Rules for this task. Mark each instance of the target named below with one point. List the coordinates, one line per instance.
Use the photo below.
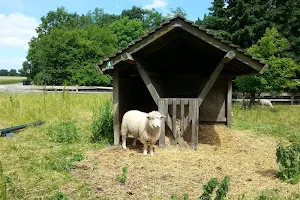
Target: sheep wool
(146, 127)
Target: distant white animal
(265, 102)
(145, 127)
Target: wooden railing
(291, 98)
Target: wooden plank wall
(213, 108)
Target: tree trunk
(252, 99)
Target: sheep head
(154, 119)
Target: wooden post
(195, 123)
(116, 108)
(182, 117)
(162, 109)
(292, 99)
(174, 106)
(229, 102)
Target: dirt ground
(249, 161)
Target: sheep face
(154, 119)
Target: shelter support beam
(216, 73)
(116, 108)
(140, 67)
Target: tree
(99, 17)
(281, 74)
(57, 18)
(3, 72)
(149, 18)
(13, 72)
(177, 11)
(126, 31)
(68, 56)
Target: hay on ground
(249, 161)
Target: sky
(19, 19)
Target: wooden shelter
(181, 70)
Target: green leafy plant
(222, 189)
(122, 178)
(58, 195)
(288, 159)
(64, 132)
(64, 164)
(212, 185)
(3, 191)
(102, 125)
(185, 197)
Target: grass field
(35, 167)
(4, 80)
(282, 122)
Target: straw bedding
(249, 161)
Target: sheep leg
(124, 136)
(151, 149)
(145, 147)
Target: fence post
(292, 99)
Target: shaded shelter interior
(179, 65)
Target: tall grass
(282, 122)
(4, 80)
(36, 166)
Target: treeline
(12, 72)
(69, 45)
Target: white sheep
(266, 102)
(143, 126)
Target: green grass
(282, 122)
(4, 80)
(35, 166)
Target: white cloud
(156, 4)
(16, 30)
(15, 63)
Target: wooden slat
(162, 110)
(214, 77)
(229, 102)
(116, 108)
(182, 117)
(195, 122)
(174, 106)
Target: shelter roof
(247, 63)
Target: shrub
(288, 159)
(212, 185)
(64, 132)
(64, 164)
(122, 178)
(102, 125)
(209, 188)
